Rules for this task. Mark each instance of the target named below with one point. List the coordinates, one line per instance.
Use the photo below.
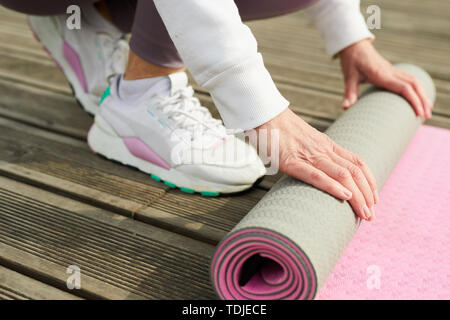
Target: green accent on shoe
(170, 184)
(105, 95)
(187, 190)
(155, 177)
(209, 194)
(162, 123)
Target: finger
(403, 88)
(418, 87)
(351, 89)
(307, 173)
(360, 163)
(344, 177)
(359, 178)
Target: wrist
(364, 42)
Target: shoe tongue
(178, 80)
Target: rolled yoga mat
(288, 244)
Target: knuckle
(405, 87)
(334, 148)
(358, 161)
(316, 161)
(315, 176)
(417, 84)
(343, 174)
(330, 143)
(412, 82)
(359, 201)
(355, 172)
(374, 71)
(329, 187)
(409, 77)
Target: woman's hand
(361, 62)
(311, 156)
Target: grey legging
(140, 16)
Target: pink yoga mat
(405, 252)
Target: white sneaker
(89, 57)
(174, 139)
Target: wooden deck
(132, 237)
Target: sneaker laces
(189, 115)
(115, 51)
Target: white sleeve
(340, 23)
(221, 53)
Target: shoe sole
(51, 41)
(104, 141)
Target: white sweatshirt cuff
(246, 95)
(340, 26)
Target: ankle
(138, 68)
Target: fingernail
(347, 194)
(372, 217)
(377, 197)
(346, 104)
(366, 212)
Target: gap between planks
(42, 233)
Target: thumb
(351, 90)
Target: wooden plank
(16, 286)
(300, 48)
(222, 213)
(409, 22)
(269, 181)
(42, 234)
(293, 89)
(44, 109)
(67, 166)
(311, 102)
(289, 26)
(286, 74)
(284, 33)
(32, 73)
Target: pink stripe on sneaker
(139, 149)
(74, 60)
